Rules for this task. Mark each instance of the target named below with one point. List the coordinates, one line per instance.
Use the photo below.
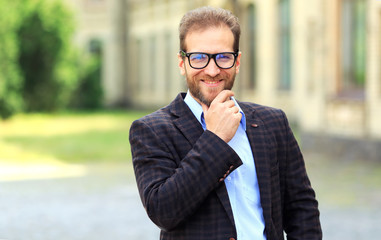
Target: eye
(225, 56)
(198, 57)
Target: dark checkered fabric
(178, 169)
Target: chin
(207, 99)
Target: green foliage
(46, 58)
(10, 78)
(39, 68)
(89, 94)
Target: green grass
(67, 137)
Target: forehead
(210, 40)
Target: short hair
(205, 17)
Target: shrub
(89, 94)
(10, 78)
(46, 57)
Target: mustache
(213, 79)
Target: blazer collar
(185, 120)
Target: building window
(95, 46)
(284, 45)
(252, 40)
(353, 48)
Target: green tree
(10, 78)
(46, 56)
(89, 93)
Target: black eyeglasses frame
(210, 56)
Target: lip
(213, 83)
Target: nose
(212, 69)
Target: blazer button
(231, 238)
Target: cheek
(227, 75)
(193, 74)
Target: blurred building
(319, 60)
(102, 25)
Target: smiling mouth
(211, 83)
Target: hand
(222, 117)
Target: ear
(238, 62)
(181, 64)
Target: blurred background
(74, 74)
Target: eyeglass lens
(201, 60)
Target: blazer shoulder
(262, 111)
(161, 116)
(274, 119)
(167, 114)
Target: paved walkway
(103, 203)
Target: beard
(195, 89)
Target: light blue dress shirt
(242, 183)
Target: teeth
(210, 82)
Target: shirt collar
(196, 109)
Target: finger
(235, 109)
(238, 115)
(229, 103)
(223, 96)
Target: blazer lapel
(256, 133)
(184, 120)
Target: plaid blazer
(180, 169)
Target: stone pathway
(103, 203)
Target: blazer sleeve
(301, 214)
(171, 188)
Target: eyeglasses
(199, 60)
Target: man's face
(205, 84)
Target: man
(208, 167)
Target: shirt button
(229, 178)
